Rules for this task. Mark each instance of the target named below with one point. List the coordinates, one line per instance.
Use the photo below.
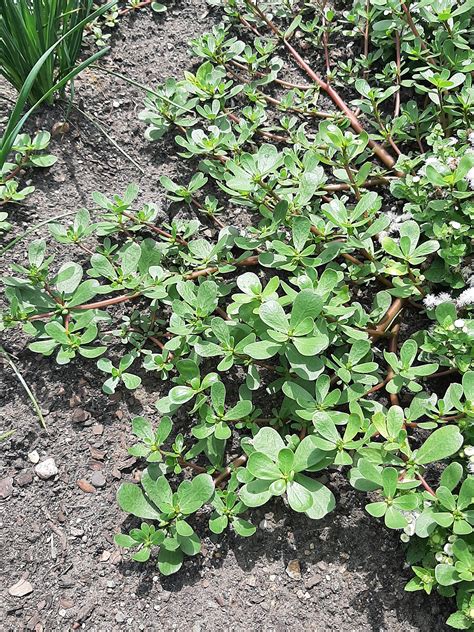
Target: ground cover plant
(336, 331)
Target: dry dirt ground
(59, 537)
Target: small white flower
(470, 467)
(466, 298)
(470, 177)
(469, 450)
(470, 138)
(381, 236)
(448, 549)
(405, 538)
(444, 297)
(468, 275)
(417, 179)
(455, 225)
(459, 323)
(430, 301)
(453, 163)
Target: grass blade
(34, 228)
(22, 381)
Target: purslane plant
(334, 331)
(28, 152)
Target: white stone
(46, 469)
(34, 457)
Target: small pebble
(293, 570)
(85, 486)
(25, 477)
(80, 416)
(98, 479)
(46, 469)
(20, 589)
(34, 457)
(6, 487)
(77, 533)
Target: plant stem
(350, 175)
(326, 44)
(155, 229)
(8, 358)
(366, 35)
(393, 347)
(371, 182)
(142, 4)
(16, 170)
(425, 484)
(441, 374)
(281, 82)
(227, 471)
(396, 111)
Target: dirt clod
(85, 486)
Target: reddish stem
(366, 35)
(425, 485)
(227, 471)
(154, 228)
(414, 30)
(442, 374)
(281, 82)
(371, 182)
(145, 3)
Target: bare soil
(60, 537)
